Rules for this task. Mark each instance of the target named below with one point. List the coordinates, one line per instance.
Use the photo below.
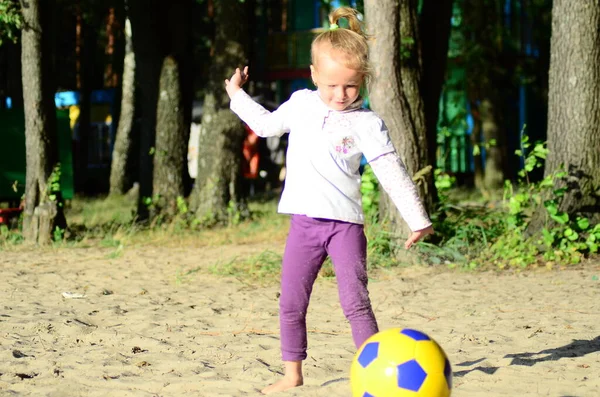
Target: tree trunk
(111, 52)
(148, 46)
(476, 143)
(179, 19)
(434, 28)
(43, 208)
(217, 193)
(171, 145)
(119, 181)
(493, 177)
(395, 93)
(488, 86)
(574, 108)
(89, 32)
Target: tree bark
(43, 210)
(89, 32)
(434, 28)
(217, 192)
(493, 177)
(179, 19)
(395, 94)
(119, 181)
(476, 142)
(574, 108)
(148, 46)
(482, 26)
(171, 145)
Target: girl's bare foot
(282, 384)
(292, 378)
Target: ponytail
(350, 43)
(353, 17)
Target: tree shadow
(577, 348)
(486, 370)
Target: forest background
(494, 106)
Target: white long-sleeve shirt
(324, 151)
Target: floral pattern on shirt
(346, 145)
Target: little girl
(329, 133)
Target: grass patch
(265, 266)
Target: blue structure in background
(102, 121)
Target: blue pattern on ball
(448, 373)
(416, 335)
(411, 376)
(367, 395)
(368, 354)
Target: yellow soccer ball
(400, 363)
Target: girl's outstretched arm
(394, 179)
(260, 120)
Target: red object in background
(7, 213)
(251, 156)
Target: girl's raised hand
(236, 81)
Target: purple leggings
(309, 242)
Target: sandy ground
(143, 329)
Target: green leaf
(571, 234)
(514, 206)
(583, 223)
(529, 165)
(368, 186)
(560, 192)
(551, 207)
(548, 237)
(547, 182)
(560, 217)
(560, 175)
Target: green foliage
(478, 236)
(407, 45)
(487, 145)
(369, 189)
(54, 184)
(565, 239)
(58, 234)
(443, 183)
(234, 214)
(11, 20)
(9, 237)
(182, 207)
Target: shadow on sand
(577, 348)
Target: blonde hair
(352, 42)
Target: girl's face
(339, 86)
